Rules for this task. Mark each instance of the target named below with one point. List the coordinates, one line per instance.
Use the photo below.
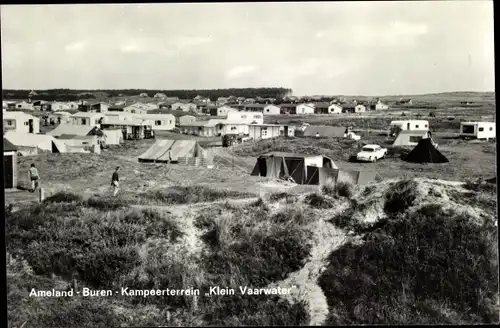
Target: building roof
(272, 125)
(256, 105)
(69, 129)
(287, 105)
(17, 115)
(8, 146)
(87, 114)
(322, 105)
(61, 113)
(133, 122)
(74, 137)
(324, 131)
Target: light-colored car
(371, 153)
(352, 136)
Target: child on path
(34, 177)
(115, 181)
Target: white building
(267, 131)
(159, 122)
(408, 125)
(222, 111)
(186, 119)
(304, 109)
(62, 106)
(87, 119)
(24, 105)
(136, 108)
(20, 122)
(271, 110)
(478, 130)
(185, 107)
(334, 109)
(245, 117)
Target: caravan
(478, 130)
(408, 125)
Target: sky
(317, 48)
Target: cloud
(240, 70)
(395, 33)
(76, 46)
(189, 41)
(144, 48)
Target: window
(468, 129)
(416, 126)
(491, 129)
(243, 116)
(10, 122)
(26, 123)
(233, 128)
(481, 129)
(157, 122)
(425, 126)
(264, 131)
(256, 116)
(267, 110)
(170, 122)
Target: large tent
(179, 151)
(425, 152)
(302, 169)
(31, 144)
(409, 138)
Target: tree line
(213, 94)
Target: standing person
(34, 177)
(115, 181)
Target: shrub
(400, 196)
(63, 197)
(479, 185)
(292, 215)
(318, 201)
(411, 262)
(342, 188)
(106, 203)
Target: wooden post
(42, 194)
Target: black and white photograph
(249, 164)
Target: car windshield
(368, 149)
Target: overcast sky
(350, 48)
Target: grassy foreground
(421, 261)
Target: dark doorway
(407, 126)
(327, 163)
(31, 128)
(8, 171)
(262, 167)
(286, 130)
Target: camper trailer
(477, 130)
(408, 125)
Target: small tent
(425, 152)
(187, 152)
(409, 138)
(302, 169)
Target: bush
(479, 185)
(106, 203)
(341, 188)
(318, 201)
(189, 194)
(63, 197)
(400, 196)
(408, 264)
(293, 215)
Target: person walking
(115, 181)
(34, 177)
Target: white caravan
(408, 125)
(478, 130)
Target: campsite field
(179, 227)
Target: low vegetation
(406, 267)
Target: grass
(400, 196)
(403, 271)
(338, 189)
(185, 195)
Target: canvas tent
(302, 169)
(187, 152)
(425, 152)
(409, 138)
(31, 144)
(113, 137)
